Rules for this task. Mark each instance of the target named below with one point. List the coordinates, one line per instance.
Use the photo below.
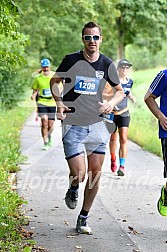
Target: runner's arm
(154, 108)
(34, 94)
(131, 96)
(118, 96)
(57, 93)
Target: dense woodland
(33, 29)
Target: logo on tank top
(99, 74)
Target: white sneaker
(82, 227)
(45, 147)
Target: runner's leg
(95, 162)
(44, 127)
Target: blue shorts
(78, 139)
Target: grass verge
(11, 217)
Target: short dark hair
(91, 25)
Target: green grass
(10, 158)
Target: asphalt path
(124, 215)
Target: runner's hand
(61, 112)
(105, 108)
(163, 121)
(33, 96)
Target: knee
(50, 125)
(123, 140)
(94, 177)
(78, 177)
(113, 139)
(81, 176)
(44, 122)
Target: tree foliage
(53, 26)
(54, 29)
(12, 53)
(124, 22)
(12, 42)
(142, 23)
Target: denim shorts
(80, 139)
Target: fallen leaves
(25, 234)
(66, 223)
(72, 235)
(39, 249)
(78, 249)
(133, 230)
(43, 234)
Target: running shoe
(82, 227)
(45, 147)
(71, 199)
(113, 166)
(162, 202)
(121, 171)
(50, 142)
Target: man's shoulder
(41, 76)
(70, 59)
(130, 81)
(159, 81)
(52, 73)
(161, 76)
(106, 58)
(76, 54)
(38, 75)
(164, 71)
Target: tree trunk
(121, 46)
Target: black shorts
(122, 120)
(164, 152)
(47, 110)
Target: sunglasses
(124, 67)
(89, 37)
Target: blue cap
(45, 62)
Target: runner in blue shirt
(158, 88)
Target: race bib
(126, 90)
(108, 117)
(46, 92)
(86, 85)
